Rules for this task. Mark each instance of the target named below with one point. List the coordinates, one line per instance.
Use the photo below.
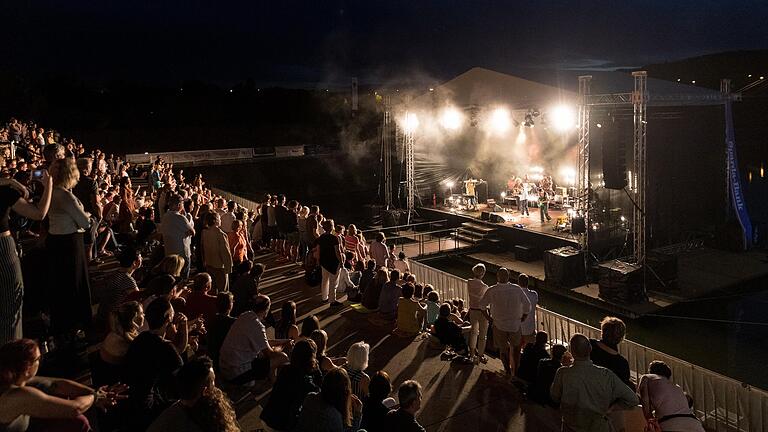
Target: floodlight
(503, 194)
(520, 136)
(450, 184)
(451, 119)
(562, 118)
(500, 120)
(410, 122)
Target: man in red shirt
(199, 302)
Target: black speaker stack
(564, 267)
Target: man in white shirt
(477, 315)
(509, 308)
(379, 251)
(228, 216)
(586, 392)
(528, 328)
(246, 354)
(177, 230)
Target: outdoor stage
(701, 271)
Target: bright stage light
(537, 169)
(562, 118)
(450, 184)
(568, 174)
(503, 194)
(500, 120)
(410, 122)
(451, 119)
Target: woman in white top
(70, 290)
(477, 316)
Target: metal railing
(243, 202)
(421, 243)
(723, 404)
(397, 229)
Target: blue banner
(734, 180)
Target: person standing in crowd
(664, 401)
(528, 328)
(127, 215)
(403, 419)
(227, 212)
(238, 245)
(605, 352)
(379, 250)
(401, 263)
(216, 255)
(13, 196)
(477, 316)
(334, 409)
(177, 230)
(86, 190)
(295, 381)
(291, 226)
(509, 308)
(587, 392)
(202, 407)
(330, 261)
(246, 354)
(71, 290)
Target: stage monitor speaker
(499, 217)
(578, 225)
(485, 216)
(614, 137)
(621, 282)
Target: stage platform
(701, 272)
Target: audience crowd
(183, 315)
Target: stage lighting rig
(410, 122)
(500, 121)
(451, 119)
(562, 118)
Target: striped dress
(11, 282)
(356, 376)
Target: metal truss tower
(582, 182)
(387, 133)
(640, 109)
(410, 168)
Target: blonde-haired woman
(357, 363)
(70, 290)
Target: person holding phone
(14, 196)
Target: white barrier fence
(722, 403)
(242, 202)
(206, 156)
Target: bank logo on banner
(737, 193)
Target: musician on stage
(524, 191)
(544, 196)
(469, 191)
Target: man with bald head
(588, 393)
(509, 307)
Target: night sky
(327, 41)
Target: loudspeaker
(499, 217)
(614, 137)
(485, 216)
(564, 267)
(578, 225)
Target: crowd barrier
(723, 404)
(243, 202)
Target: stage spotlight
(562, 118)
(500, 120)
(528, 120)
(599, 125)
(450, 184)
(410, 122)
(451, 119)
(503, 195)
